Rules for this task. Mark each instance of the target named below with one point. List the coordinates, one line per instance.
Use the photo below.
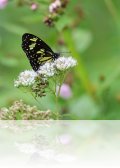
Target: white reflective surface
(59, 144)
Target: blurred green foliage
(93, 38)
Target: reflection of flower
(26, 148)
(65, 91)
(65, 139)
(3, 3)
(25, 78)
(48, 154)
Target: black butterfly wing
(37, 51)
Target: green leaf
(84, 108)
(13, 28)
(82, 39)
(11, 62)
(62, 22)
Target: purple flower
(3, 3)
(34, 6)
(54, 6)
(65, 91)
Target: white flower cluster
(64, 63)
(49, 69)
(54, 6)
(25, 78)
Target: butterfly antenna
(65, 52)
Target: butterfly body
(37, 51)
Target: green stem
(57, 107)
(58, 82)
(56, 100)
(39, 103)
(110, 80)
(113, 11)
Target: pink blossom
(3, 3)
(54, 6)
(65, 91)
(34, 6)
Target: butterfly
(37, 51)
